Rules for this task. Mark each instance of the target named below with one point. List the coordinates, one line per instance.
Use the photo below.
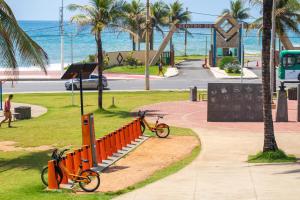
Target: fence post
(122, 136)
(77, 160)
(99, 159)
(84, 156)
(52, 181)
(65, 176)
(102, 149)
(118, 140)
(69, 162)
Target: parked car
(90, 83)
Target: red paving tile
(194, 114)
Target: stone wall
(234, 102)
(117, 58)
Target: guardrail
(106, 147)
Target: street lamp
(147, 82)
(62, 36)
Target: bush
(232, 68)
(226, 60)
(131, 61)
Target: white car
(90, 83)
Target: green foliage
(271, 157)
(131, 61)
(226, 60)
(16, 43)
(232, 68)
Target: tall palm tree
(287, 17)
(159, 12)
(98, 14)
(237, 10)
(134, 21)
(269, 136)
(178, 14)
(15, 42)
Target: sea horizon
(47, 34)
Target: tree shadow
(32, 160)
(114, 169)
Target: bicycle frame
(151, 128)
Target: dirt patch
(153, 155)
(8, 146)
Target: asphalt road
(191, 74)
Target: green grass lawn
(179, 59)
(20, 171)
(134, 69)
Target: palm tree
(269, 136)
(177, 14)
(159, 12)
(134, 21)
(15, 42)
(98, 14)
(237, 10)
(287, 17)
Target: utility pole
(242, 53)
(62, 36)
(147, 81)
(272, 53)
(185, 36)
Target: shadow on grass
(124, 114)
(32, 160)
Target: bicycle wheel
(44, 175)
(162, 130)
(93, 180)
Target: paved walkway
(36, 111)
(221, 171)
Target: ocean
(46, 34)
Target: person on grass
(7, 112)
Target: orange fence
(105, 147)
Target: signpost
(81, 71)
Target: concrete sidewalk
(221, 172)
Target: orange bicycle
(160, 129)
(88, 180)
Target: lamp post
(147, 82)
(242, 53)
(62, 36)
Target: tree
(269, 137)
(287, 16)
(99, 14)
(237, 10)
(159, 12)
(178, 14)
(15, 42)
(134, 21)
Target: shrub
(226, 60)
(130, 60)
(232, 68)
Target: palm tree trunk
(133, 45)
(152, 40)
(269, 137)
(100, 70)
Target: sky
(49, 9)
